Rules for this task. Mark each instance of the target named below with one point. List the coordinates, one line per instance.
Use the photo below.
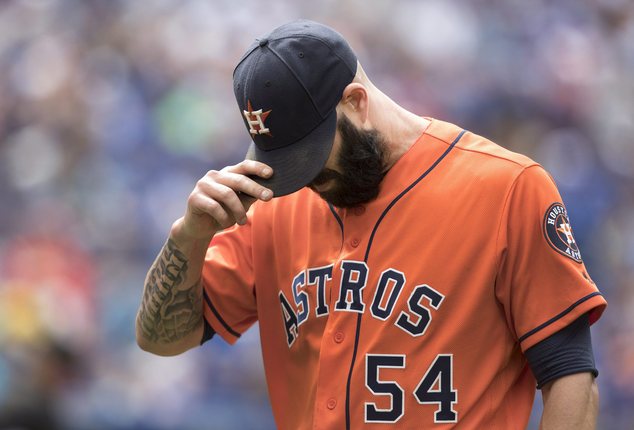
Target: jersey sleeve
(542, 282)
(228, 283)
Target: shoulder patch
(558, 232)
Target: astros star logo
(558, 232)
(255, 119)
(565, 229)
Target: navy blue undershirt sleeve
(208, 333)
(564, 353)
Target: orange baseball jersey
(414, 310)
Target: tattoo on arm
(169, 310)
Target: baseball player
(405, 273)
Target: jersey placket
(340, 333)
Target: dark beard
(362, 162)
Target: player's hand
(222, 198)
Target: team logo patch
(255, 119)
(558, 232)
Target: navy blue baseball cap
(287, 86)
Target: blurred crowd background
(110, 110)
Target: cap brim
(296, 165)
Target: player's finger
(240, 183)
(203, 204)
(227, 197)
(251, 167)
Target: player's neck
(400, 127)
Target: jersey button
(339, 337)
(354, 242)
(359, 210)
(331, 404)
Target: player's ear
(356, 104)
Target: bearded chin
(362, 163)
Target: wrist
(183, 237)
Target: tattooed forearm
(170, 309)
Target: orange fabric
(435, 288)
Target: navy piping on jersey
(367, 254)
(560, 315)
(223, 322)
(332, 209)
(406, 190)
